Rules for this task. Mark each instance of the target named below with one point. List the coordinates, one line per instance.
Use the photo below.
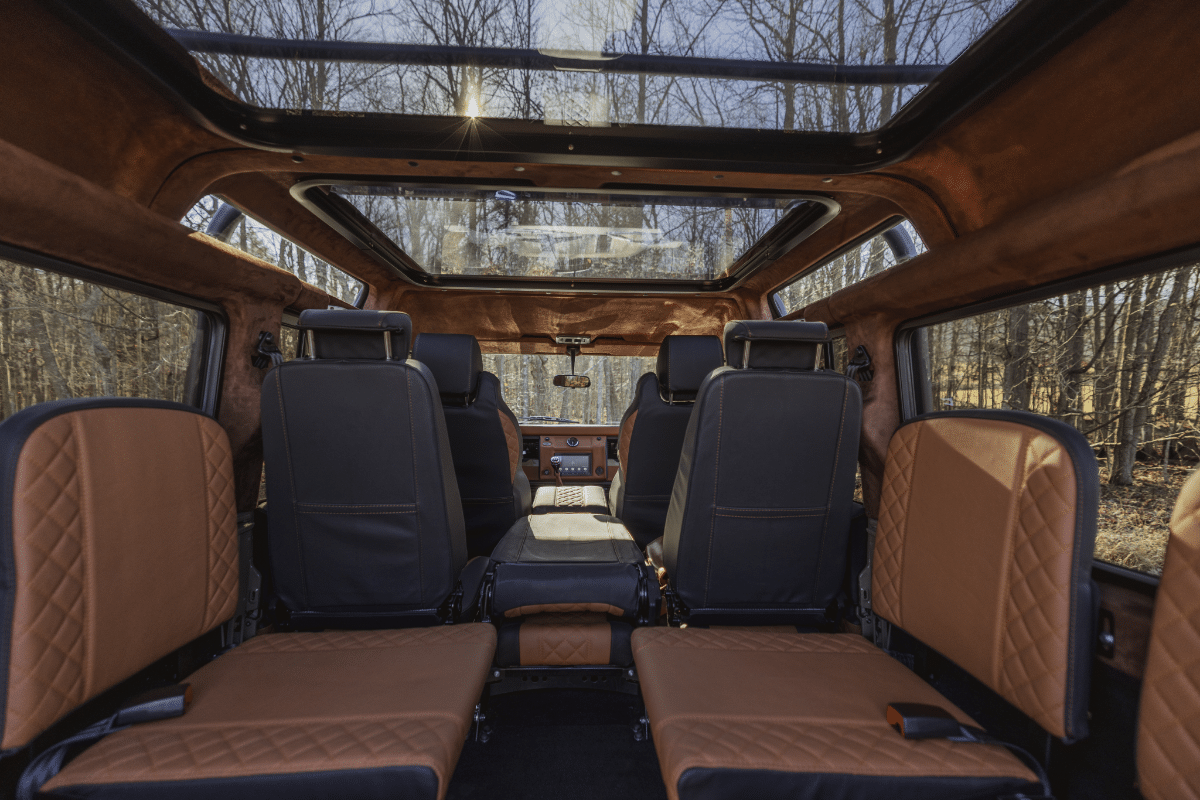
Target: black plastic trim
(213, 328)
(1027, 37)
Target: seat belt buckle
(156, 704)
(923, 721)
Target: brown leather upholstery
(1168, 751)
(572, 638)
(623, 440)
(512, 437)
(984, 548)
(78, 596)
(812, 704)
(308, 703)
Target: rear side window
(233, 226)
(63, 336)
(882, 249)
(1119, 361)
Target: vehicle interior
(600, 398)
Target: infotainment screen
(576, 464)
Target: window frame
(774, 300)
(204, 385)
(912, 354)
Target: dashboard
(588, 452)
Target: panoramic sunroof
(451, 235)
(825, 66)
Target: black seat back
(652, 432)
(363, 509)
(485, 438)
(761, 506)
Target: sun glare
(473, 108)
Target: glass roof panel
(812, 65)
(569, 235)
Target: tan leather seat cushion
(804, 703)
(1168, 748)
(310, 702)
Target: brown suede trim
(623, 440)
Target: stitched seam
(998, 649)
(412, 451)
(767, 516)
(357, 505)
(208, 509)
(837, 454)
(360, 513)
(814, 509)
(712, 520)
(287, 449)
(87, 547)
(1072, 599)
(900, 549)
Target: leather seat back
(987, 522)
(363, 509)
(652, 432)
(485, 438)
(118, 545)
(760, 510)
(1168, 738)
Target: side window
(233, 226)
(1120, 362)
(63, 336)
(880, 250)
(289, 336)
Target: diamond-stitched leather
(789, 702)
(750, 639)
(1032, 667)
(364, 640)
(888, 561)
(564, 639)
(143, 754)
(1168, 754)
(222, 517)
(46, 671)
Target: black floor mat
(557, 744)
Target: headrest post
(387, 345)
(310, 343)
(745, 354)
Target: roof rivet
(616, 172)
(299, 159)
(878, 151)
(518, 169)
(242, 126)
(717, 177)
(826, 180)
(412, 163)
(570, 147)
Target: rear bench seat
(983, 552)
(118, 532)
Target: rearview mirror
(573, 381)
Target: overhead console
(588, 453)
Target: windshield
(527, 385)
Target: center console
(586, 453)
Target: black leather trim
(736, 784)
(775, 344)
(683, 364)
(519, 585)
(14, 433)
(341, 333)
(620, 649)
(455, 361)
(362, 784)
(1084, 601)
(508, 644)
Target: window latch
(266, 352)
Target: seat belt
(244, 623)
(925, 721)
(156, 704)
(873, 627)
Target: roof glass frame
(796, 225)
(1033, 31)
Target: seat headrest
(455, 361)
(346, 333)
(775, 344)
(683, 364)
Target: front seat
(485, 438)
(652, 433)
(760, 512)
(364, 518)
